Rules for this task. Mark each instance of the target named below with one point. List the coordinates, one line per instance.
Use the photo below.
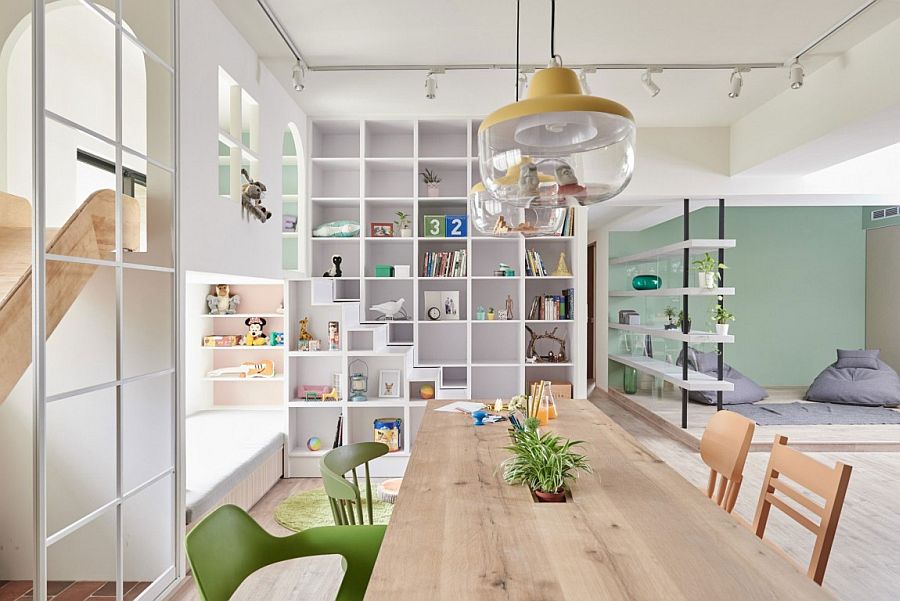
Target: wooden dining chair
(344, 495)
(829, 483)
(724, 448)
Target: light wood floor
(863, 564)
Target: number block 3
(434, 226)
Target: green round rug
(311, 508)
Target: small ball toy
(314, 443)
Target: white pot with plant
(708, 276)
(722, 317)
(432, 182)
(403, 224)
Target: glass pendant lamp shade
(495, 217)
(557, 147)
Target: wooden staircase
(89, 233)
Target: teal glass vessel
(630, 380)
(646, 282)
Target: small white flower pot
(406, 232)
(706, 279)
(433, 189)
(722, 329)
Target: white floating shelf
(298, 404)
(278, 378)
(243, 348)
(246, 315)
(550, 277)
(698, 337)
(693, 246)
(672, 373)
(675, 292)
(314, 354)
(549, 321)
(546, 364)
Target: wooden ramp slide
(89, 233)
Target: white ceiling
(347, 32)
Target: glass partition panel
(152, 23)
(147, 228)
(147, 437)
(83, 563)
(147, 337)
(147, 89)
(149, 537)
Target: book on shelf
(534, 264)
(446, 264)
(339, 433)
(553, 306)
(567, 227)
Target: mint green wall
(799, 274)
(868, 224)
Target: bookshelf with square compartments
(366, 171)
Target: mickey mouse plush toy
(255, 336)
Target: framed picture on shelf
(381, 230)
(389, 383)
(442, 305)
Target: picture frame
(447, 303)
(389, 383)
(334, 335)
(315, 345)
(381, 230)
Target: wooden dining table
(633, 529)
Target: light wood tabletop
(634, 529)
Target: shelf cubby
(454, 174)
(306, 422)
(390, 178)
(493, 293)
(496, 342)
(388, 252)
(390, 139)
(490, 382)
(454, 376)
(335, 139)
(323, 249)
(487, 257)
(380, 290)
(447, 138)
(335, 178)
(443, 285)
(401, 333)
(442, 343)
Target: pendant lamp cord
(518, 7)
(552, 29)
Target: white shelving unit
(367, 170)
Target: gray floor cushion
(814, 414)
(856, 386)
(745, 389)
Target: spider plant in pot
(403, 223)
(708, 271)
(722, 316)
(432, 182)
(671, 316)
(545, 463)
(683, 322)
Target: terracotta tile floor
(20, 590)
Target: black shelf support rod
(721, 365)
(685, 328)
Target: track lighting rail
(534, 67)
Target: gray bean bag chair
(745, 390)
(857, 378)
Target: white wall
(214, 238)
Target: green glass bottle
(630, 380)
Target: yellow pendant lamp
(556, 148)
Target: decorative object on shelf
(332, 395)
(433, 313)
(335, 270)
(671, 316)
(280, 308)
(490, 314)
(426, 391)
(313, 443)
(359, 381)
(276, 338)
(684, 323)
(312, 392)
(255, 335)
(289, 223)
(480, 314)
(337, 381)
(404, 224)
(389, 383)
(561, 390)
(722, 316)
(562, 270)
(384, 271)
(629, 380)
(435, 226)
(342, 228)
(401, 271)
(248, 369)
(315, 345)
(478, 417)
(304, 330)
(545, 463)
(509, 306)
(504, 271)
(252, 193)
(629, 317)
(550, 357)
(457, 226)
(446, 301)
(381, 230)
(502, 315)
(334, 335)
(646, 282)
(389, 430)
(222, 302)
(220, 341)
(432, 182)
(391, 310)
(707, 268)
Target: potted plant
(432, 182)
(671, 316)
(403, 223)
(708, 271)
(722, 316)
(545, 463)
(683, 322)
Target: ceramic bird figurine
(529, 182)
(391, 309)
(568, 183)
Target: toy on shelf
(289, 223)
(334, 335)
(309, 392)
(331, 394)
(509, 307)
(247, 369)
(391, 310)
(550, 357)
(255, 335)
(304, 330)
(504, 270)
(276, 339)
(251, 199)
(389, 430)
(220, 341)
(480, 314)
(561, 268)
(343, 228)
(314, 443)
(280, 309)
(335, 270)
(223, 302)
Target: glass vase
(630, 380)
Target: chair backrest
(228, 545)
(344, 496)
(829, 483)
(724, 447)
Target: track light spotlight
(796, 75)
(298, 75)
(522, 84)
(430, 86)
(648, 83)
(582, 78)
(737, 82)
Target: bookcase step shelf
(694, 337)
(672, 373)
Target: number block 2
(457, 226)
(434, 226)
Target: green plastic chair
(345, 498)
(228, 545)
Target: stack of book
(567, 227)
(448, 264)
(554, 307)
(534, 264)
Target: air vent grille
(885, 213)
